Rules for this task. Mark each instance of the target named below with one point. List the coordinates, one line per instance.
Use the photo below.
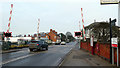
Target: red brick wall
(86, 46)
(100, 49)
(115, 55)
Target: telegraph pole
(110, 41)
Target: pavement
(77, 57)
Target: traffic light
(77, 33)
(7, 34)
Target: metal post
(80, 43)
(112, 55)
(117, 53)
(117, 56)
(110, 41)
(119, 13)
(119, 26)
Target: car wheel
(31, 49)
(46, 48)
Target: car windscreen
(41, 42)
(34, 41)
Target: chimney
(56, 32)
(50, 30)
(53, 30)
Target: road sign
(77, 34)
(114, 42)
(109, 1)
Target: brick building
(42, 35)
(52, 35)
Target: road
(52, 57)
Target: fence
(100, 49)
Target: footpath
(77, 57)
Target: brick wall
(100, 49)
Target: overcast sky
(60, 15)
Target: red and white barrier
(38, 26)
(10, 18)
(80, 29)
(83, 24)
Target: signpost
(112, 23)
(115, 45)
(78, 34)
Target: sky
(59, 15)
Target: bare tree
(101, 31)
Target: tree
(101, 31)
(63, 37)
(69, 36)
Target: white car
(63, 43)
(53, 42)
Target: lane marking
(17, 59)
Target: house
(52, 35)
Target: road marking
(18, 58)
(58, 61)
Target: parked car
(58, 42)
(53, 42)
(39, 45)
(63, 43)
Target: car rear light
(37, 44)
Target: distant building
(15, 39)
(53, 35)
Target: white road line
(58, 60)
(17, 58)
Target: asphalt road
(52, 57)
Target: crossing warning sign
(114, 42)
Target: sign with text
(114, 42)
(109, 1)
